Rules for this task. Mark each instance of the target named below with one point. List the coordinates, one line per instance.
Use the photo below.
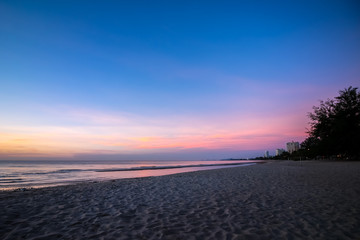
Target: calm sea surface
(24, 174)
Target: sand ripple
(276, 200)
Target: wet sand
(275, 200)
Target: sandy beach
(275, 200)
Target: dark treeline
(334, 130)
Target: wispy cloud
(126, 133)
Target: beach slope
(275, 200)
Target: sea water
(26, 174)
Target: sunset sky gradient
(168, 79)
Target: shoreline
(275, 200)
(115, 174)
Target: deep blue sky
(84, 76)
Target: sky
(182, 80)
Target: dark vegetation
(335, 127)
(334, 130)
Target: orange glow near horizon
(134, 137)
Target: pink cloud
(110, 133)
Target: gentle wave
(140, 168)
(58, 171)
(19, 180)
(50, 174)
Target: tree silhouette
(335, 126)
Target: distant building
(266, 155)
(292, 146)
(279, 151)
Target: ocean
(35, 174)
